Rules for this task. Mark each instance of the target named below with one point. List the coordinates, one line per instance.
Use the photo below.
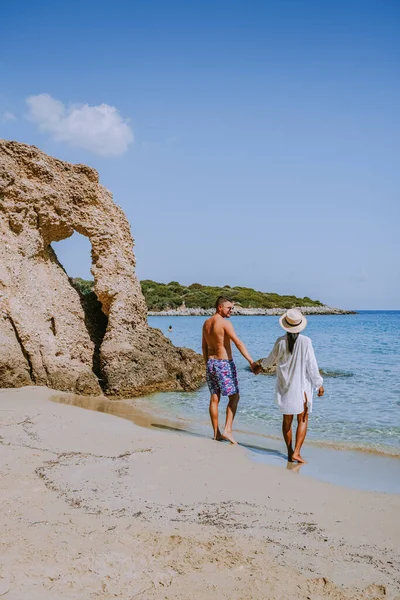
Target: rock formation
(266, 370)
(46, 329)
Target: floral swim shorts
(222, 377)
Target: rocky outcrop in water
(49, 334)
(331, 373)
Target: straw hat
(293, 321)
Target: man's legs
(302, 422)
(230, 415)
(287, 434)
(214, 403)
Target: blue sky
(249, 143)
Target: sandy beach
(95, 506)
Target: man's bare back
(217, 339)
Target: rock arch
(43, 336)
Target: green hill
(163, 296)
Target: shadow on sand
(268, 451)
(145, 419)
(256, 449)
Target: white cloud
(7, 116)
(99, 129)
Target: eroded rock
(47, 336)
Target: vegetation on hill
(164, 296)
(85, 286)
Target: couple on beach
(297, 373)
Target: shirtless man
(220, 368)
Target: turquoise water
(360, 354)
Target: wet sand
(94, 506)
(369, 471)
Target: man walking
(220, 368)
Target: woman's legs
(302, 422)
(287, 434)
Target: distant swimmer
(220, 368)
(170, 328)
(296, 376)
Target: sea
(359, 356)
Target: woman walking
(296, 375)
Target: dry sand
(94, 506)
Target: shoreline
(200, 427)
(267, 448)
(93, 505)
(385, 452)
(250, 312)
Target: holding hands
(255, 367)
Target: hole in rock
(74, 255)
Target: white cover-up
(296, 374)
